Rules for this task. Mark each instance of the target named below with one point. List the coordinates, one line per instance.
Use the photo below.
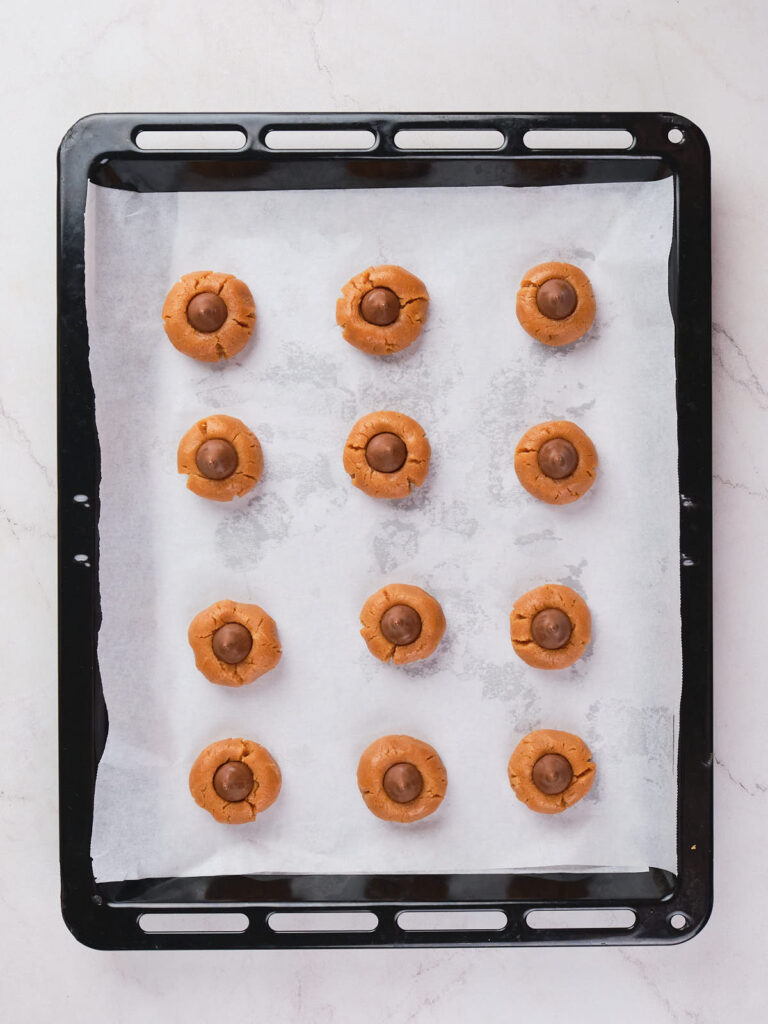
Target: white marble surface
(704, 60)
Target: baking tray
(667, 907)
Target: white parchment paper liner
(310, 548)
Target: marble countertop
(59, 62)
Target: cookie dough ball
(556, 462)
(551, 770)
(401, 778)
(209, 316)
(234, 780)
(382, 310)
(386, 454)
(555, 304)
(402, 623)
(221, 457)
(234, 643)
(550, 626)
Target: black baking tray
(667, 907)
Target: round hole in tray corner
(679, 921)
(676, 135)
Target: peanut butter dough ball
(401, 778)
(386, 454)
(555, 304)
(221, 457)
(556, 462)
(234, 643)
(550, 626)
(209, 316)
(234, 780)
(382, 310)
(551, 770)
(402, 623)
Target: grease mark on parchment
(246, 532)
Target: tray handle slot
(320, 139)
(203, 921)
(452, 920)
(578, 138)
(323, 921)
(472, 139)
(170, 139)
(592, 918)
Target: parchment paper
(310, 548)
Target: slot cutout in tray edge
(593, 917)
(319, 139)
(473, 139)
(169, 139)
(452, 920)
(577, 138)
(205, 921)
(323, 921)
